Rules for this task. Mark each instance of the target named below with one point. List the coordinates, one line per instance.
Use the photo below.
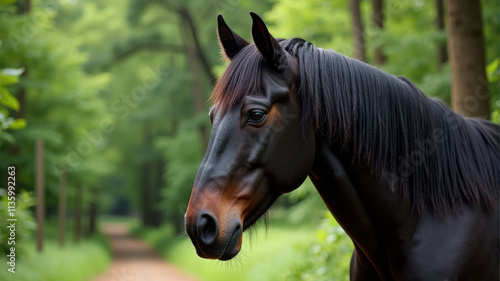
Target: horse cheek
(294, 158)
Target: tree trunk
(145, 184)
(357, 31)
(92, 212)
(39, 193)
(469, 88)
(191, 32)
(197, 82)
(78, 212)
(442, 55)
(62, 207)
(156, 214)
(378, 23)
(24, 7)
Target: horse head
(258, 147)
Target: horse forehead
(275, 84)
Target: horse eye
(256, 116)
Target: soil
(134, 260)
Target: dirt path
(134, 260)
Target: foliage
(62, 102)
(493, 73)
(329, 257)
(304, 205)
(182, 165)
(9, 76)
(24, 226)
(158, 238)
(77, 262)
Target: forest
(104, 109)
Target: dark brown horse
(413, 184)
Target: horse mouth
(261, 209)
(233, 246)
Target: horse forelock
(241, 78)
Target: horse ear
(230, 42)
(269, 47)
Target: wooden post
(78, 211)
(62, 207)
(39, 189)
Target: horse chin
(234, 245)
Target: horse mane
(437, 159)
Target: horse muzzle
(210, 239)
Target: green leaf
(492, 70)
(5, 122)
(7, 137)
(18, 124)
(8, 100)
(6, 80)
(3, 112)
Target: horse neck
(369, 113)
(385, 126)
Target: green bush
(75, 262)
(24, 226)
(8, 102)
(326, 259)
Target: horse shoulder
(458, 247)
(334, 186)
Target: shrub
(328, 258)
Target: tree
(442, 55)
(470, 96)
(378, 23)
(61, 100)
(357, 31)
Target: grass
(75, 262)
(265, 255)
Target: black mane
(436, 158)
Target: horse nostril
(208, 229)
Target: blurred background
(103, 114)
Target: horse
(413, 184)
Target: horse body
(413, 184)
(394, 243)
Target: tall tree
(470, 96)
(378, 23)
(62, 208)
(357, 31)
(78, 211)
(188, 31)
(92, 226)
(442, 55)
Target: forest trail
(134, 260)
